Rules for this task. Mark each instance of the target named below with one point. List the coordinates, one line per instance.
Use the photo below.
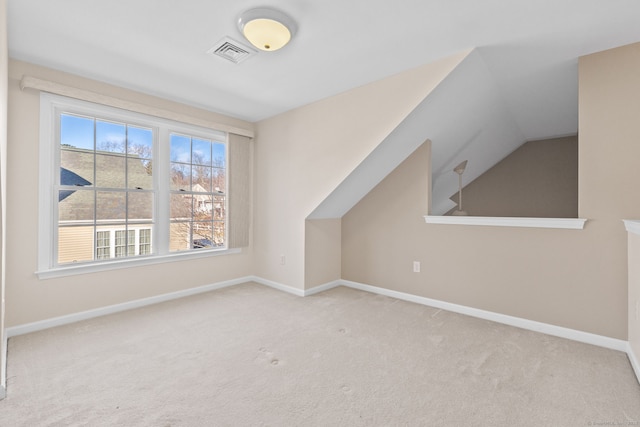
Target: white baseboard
(278, 286)
(296, 291)
(111, 309)
(635, 362)
(322, 288)
(89, 314)
(545, 328)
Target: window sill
(566, 223)
(72, 270)
(632, 225)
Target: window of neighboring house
(126, 185)
(144, 243)
(125, 244)
(122, 243)
(103, 245)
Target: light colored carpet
(253, 356)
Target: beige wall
(322, 258)
(571, 278)
(30, 299)
(304, 154)
(634, 293)
(539, 179)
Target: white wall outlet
(283, 260)
(416, 266)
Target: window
(144, 242)
(198, 187)
(119, 243)
(125, 244)
(120, 185)
(106, 180)
(103, 245)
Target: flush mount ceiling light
(266, 29)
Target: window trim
(50, 106)
(120, 263)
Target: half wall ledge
(566, 223)
(632, 225)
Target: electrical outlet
(637, 310)
(416, 266)
(283, 260)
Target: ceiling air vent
(231, 50)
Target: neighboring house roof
(77, 165)
(70, 178)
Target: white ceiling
(159, 47)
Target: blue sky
(182, 146)
(78, 132)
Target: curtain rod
(29, 82)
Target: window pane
(111, 205)
(76, 132)
(139, 173)
(75, 244)
(180, 176)
(218, 208)
(140, 142)
(219, 180)
(180, 236)
(76, 167)
(140, 207)
(201, 178)
(201, 152)
(76, 206)
(110, 171)
(180, 148)
(110, 137)
(203, 207)
(181, 207)
(140, 153)
(202, 235)
(219, 235)
(219, 156)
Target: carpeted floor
(253, 356)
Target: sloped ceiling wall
(304, 155)
(465, 118)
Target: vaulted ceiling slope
(464, 117)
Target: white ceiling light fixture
(267, 29)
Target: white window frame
(50, 107)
